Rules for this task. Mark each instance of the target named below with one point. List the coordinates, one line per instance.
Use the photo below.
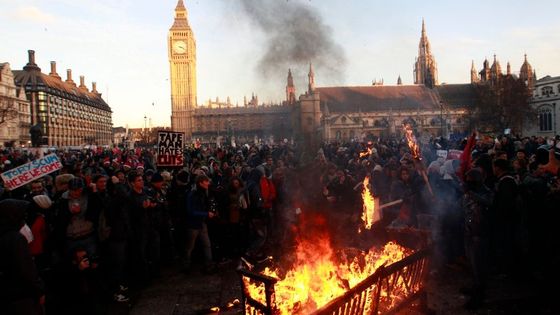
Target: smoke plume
(295, 35)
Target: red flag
(466, 156)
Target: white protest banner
(31, 171)
(441, 154)
(170, 148)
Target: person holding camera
(198, 211)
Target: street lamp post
(441, 118)
(145, 130)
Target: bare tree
(504, 104)
(8, 110)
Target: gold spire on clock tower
(182, 61)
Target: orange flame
(368, 206)
(412, 143)
(317, 276)
(366, 153)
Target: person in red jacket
(35, 219)
(268, 194)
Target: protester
(130, 217)
(198, 207)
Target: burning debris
(367, 153)
(416, 154)
(318, 273)
(369, 214)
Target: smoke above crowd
(295, 35)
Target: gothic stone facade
(546, 101)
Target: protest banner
(454, 154)
(31, 171)
(170, 148)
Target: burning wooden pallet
(388, 290)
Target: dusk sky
(122, 45)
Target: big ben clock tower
(182, 62)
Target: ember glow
(369, 206)
(318, 275)
(366, 153)
(411, 141)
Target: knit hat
(43, 201)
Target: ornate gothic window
(545, 118)
(338, 135)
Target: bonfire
(320, 274)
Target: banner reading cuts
(170, 148)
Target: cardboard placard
(454, 154)
(170, 148)
(31, 171)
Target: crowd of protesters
(109, 219)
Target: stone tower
(474, 73)
(311, 80)
(527, 74)
(182, 61)
(290, 89)
(425, 68)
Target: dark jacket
(20, 285)
(198, 205)
(477, 204)
(139, 220)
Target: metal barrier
(388, 290)
(250, 305)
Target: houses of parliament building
(325, 113)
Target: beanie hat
(43, 201)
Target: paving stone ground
(195, 293)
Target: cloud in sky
(31, 13)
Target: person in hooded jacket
(21, 289)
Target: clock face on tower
(179, 47)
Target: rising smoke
(295, 35)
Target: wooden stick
(388, 204)
(425, 176)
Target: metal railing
(388, 290)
